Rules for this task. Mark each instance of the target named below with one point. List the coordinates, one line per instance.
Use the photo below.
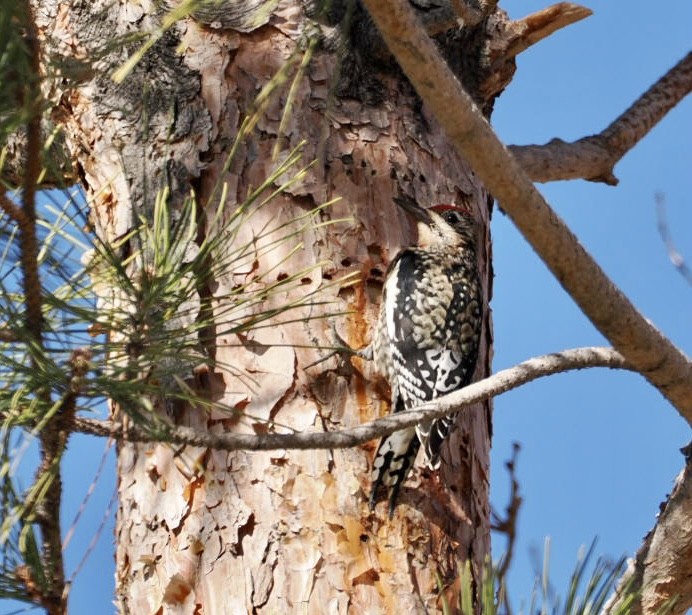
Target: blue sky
(599, 448)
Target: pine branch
(28, 240)
(501, 382)
(43, 505)
(523, 33)
(594, 157)
(642, 345)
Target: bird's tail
(393, 460)
(431, 435)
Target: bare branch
(644, 347)
(675, 257)
(541, 24)
(508, 524)
(662, 568)
(501, 382)
(594, 157)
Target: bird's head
(449, 225)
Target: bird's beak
(411, 207)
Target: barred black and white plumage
(426, 339)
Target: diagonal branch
(594, 157)
(662, 568)
(642, 345)
(508, 524)
(501, 382)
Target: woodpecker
(426, 339)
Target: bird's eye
(453, 217)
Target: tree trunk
(215, 532)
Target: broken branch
(541, 24)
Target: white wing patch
(391, 292)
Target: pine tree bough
(54, 435)
(649, 352)
(498, 383)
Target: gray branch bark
(501, 382)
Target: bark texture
(208, 531)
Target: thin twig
(501, 382)
(87, 496)
(673, 254)
(508, 524)
(594, 157)
(611, 312)
(97, 535)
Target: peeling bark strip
(291, 529)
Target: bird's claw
(342, 349)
